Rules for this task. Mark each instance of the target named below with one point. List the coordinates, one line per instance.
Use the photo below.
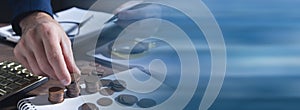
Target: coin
(97, 73)
(86, 70)
(126, 99)
(94, 64)
(73, 90)
(56, 95)
(105, 82)
(92, 84)
(106, 91)
(75, 77)
(100, 69)
(81, 63)
(91, 79)
(104, 101)
(129, 49)
(118, 85)
(146, 103)
(88, 106)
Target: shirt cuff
(22, 8)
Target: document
(94, 21)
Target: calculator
(15, 78)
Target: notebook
(160, 94)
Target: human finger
(43, 63)
(33, 63)
(21, 59)
(52, 44)
(68, 55)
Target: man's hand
(45, 49)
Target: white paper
(42, 103)
(71, 15)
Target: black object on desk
(14, 78)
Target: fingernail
(64, 82)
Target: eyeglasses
(72, 28)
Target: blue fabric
(22, 8)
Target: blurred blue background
(262, 39)
(262, 55)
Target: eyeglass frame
(77, 26)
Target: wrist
(34, 19)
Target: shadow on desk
(6, 50)
(11, 102)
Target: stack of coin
(92, 84)
(126, 99)
(118, 85)
(86, 70)
(88, 106)
(73, 90)
(56, 95)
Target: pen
(134, 6)
(115, 17)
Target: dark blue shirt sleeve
(22, 8)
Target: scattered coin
(146, 103)
(86, 70)
(118, 85)
(100, 69)
(56, 95)
(105, 82)
(128, 49)
(106, 91)
(81, 63)
(104, 101)
(88, 106)
(126, 99)
(97, 73)
(94, 64)
(92, 84)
